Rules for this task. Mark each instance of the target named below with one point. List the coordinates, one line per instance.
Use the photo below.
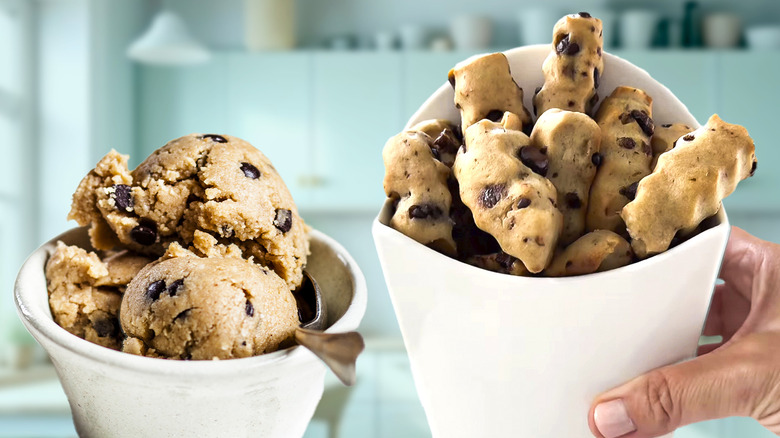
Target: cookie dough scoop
(485, 89)
(573, 69)
(501, 181)
(572, 141)
(688, 184)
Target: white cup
(722, 30)
(413, 37)
(269, 24)
(766, 37)
(496, 355)
(384, 41)
(637, 28)
(536, 25)
(471, 32)
(122, 395)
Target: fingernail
(612, 419)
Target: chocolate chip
(250, 171)
(629, 191)
(689, 137)
(491, 194)
(495, 115)
(647, 149)
(666, 125)
(523, 203)
(451, 78)
(596, 159)
(505, 260)
(534, 159)
(566, 47)
(753, 169)
(122, 196)
(585, 15)
(192, 198)
(175, 287)
(145, 233)
(627, 143)
(569, 263)
(593, 100)
(425, 210)
(571, 103)
(528, 129)
(106, 327)
(154, 290)
(572, 200)
(598, 49)
(283, 220)
(644, 121)
(446, 142)
(596, 78)
(215, 137)
(250, 309)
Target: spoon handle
(339, 351)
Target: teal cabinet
(356, 107)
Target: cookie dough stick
(419, 182)
(496, 171)
(574, 67)
(665, 137)
(485, 89)
(596, 251)
(626, 127)
(572, 141)
(446, 138)
(688, 184)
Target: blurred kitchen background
(318, 85)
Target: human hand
(739, 377)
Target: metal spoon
(338, 351)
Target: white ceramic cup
(536, 24)
(637, 28)
(722, 30)
(496, 355)
(115, 394)
(413, 37)
(765, 37)
(471, 32)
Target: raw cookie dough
(485, 89)
(688, 184)
(508, 199)
(77, 304)
(596, 251)
(188, 307)
(499, 262)
(573, 69)
(122, 267)
(446, 139)
(418, 181)
(625, 119)
(213, 183)
(664, 138)
(572, 141)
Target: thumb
(716, 385)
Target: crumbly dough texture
(216, 184)
(188, 307)
(573, 68)
(77, 303)
(484, 88)
(571, 140)
(508, 200)
(688, 184)
(418, 181)
(665, 137)
(596, 251)
(625, 119)
(122, 267)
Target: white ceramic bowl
(114, 394)
(495, 355)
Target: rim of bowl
(41, 321)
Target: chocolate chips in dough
(579, 191)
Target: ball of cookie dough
(217, 184)
(188, 307)
(77, 304)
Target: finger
(739, 261)
(664, 399)
(713, 325)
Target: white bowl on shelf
(122, 395)
(503, 356)
(765, 37)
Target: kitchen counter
(383, 404)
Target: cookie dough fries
(573, 69)
(587, 187)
